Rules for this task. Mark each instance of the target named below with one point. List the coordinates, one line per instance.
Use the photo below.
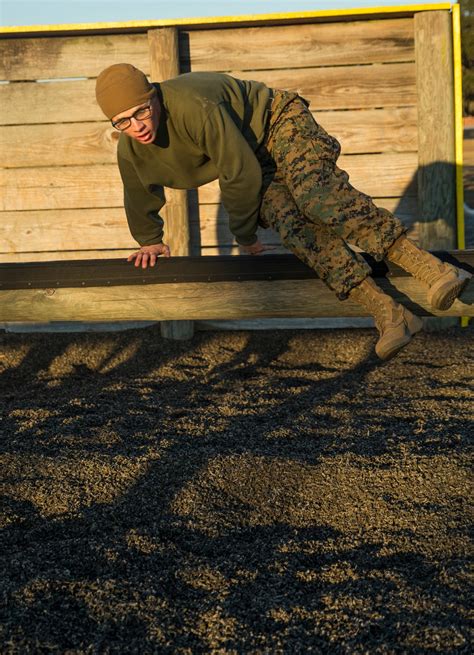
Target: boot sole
(414, 325)
(443, 298)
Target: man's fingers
(144, 258)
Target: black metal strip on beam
(226, 268)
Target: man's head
(129, 101)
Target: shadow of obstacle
(261, 491)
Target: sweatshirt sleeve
(142, 206)
(240, 174)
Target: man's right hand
(148, 254)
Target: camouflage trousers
(309, 201)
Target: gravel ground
(248, 492)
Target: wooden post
(164, 64)
(436, 152)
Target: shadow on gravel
(269, 492)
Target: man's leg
(305, 156)
(314, 243)
(344, 271)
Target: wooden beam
(64, 57)
(314, 44)
(205, 301)
(164, 64)
(436, 154)
(436, 157)
(152, 295)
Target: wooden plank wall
(61, 195)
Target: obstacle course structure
(385, 82)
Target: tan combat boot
(395, 323)
(445, 282)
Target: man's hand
(148, 254)
(256, 248)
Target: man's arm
(142, 210)
(240, 174)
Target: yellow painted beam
(224, 20)
(459, 134)
(458, 126)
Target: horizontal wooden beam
(223, 21)
(313, 44)
(196, 289)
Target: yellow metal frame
(224, 20)
(458, 125)
(458, 134)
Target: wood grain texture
(391, 129)
(73, 56)
(436, 156)
(79, 144)
(204, 301)
(335, 44)
(65, 229)
(342, 87)
(62, 255)
(26, 103)
(61, 187)
(64, 144)
(164, 64)
(345, 87)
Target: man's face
(142, 129)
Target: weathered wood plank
(65, 229)
(342, 87)
(204, 301)
(391, 129)
(384, 175)
(345, 87)
(63, 144)
(78, 144)
(53, 102)
(164, 64)
(62, 255)
(77, 56)
(322, 44)
(436, 156)
(66, 187)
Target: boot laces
(426, 264)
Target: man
(276, 168)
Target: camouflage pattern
(309, 201)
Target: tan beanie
(120, 87)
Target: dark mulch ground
(265, 492)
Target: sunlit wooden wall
(61, 194)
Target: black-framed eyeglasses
(139, 115)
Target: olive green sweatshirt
(210, 127)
